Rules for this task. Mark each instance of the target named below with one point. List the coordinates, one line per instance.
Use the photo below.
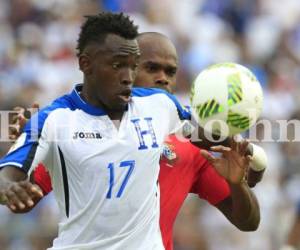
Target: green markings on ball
(235, 92)
(237, 120)
(209, 108)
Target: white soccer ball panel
(229, 93)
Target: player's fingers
(12, 207)
(233, 143)
(220, 149)
(243, 147)
(207, 156)
(37, 191)
(13, 200)
(9, 202)
(23, 195)
(32, 189)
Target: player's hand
(20, 119)
(233, 164)
(20, 197)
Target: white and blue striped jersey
(104, 178)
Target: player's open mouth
(125, 95)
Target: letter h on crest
(142, 133)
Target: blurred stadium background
(37, 63)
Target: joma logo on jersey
(87, 135)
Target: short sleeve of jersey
(33, 146)
(210, 186)
(176, 112)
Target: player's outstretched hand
(21, 197)
(233, 163)
(20, 119)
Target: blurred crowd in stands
(38, 63)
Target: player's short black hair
(96, 27)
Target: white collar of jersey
(81, 104)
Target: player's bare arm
(241, 207)
(23, 188)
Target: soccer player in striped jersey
(181, 160)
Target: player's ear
(85, 64)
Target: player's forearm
(10, 174)
(245, 213)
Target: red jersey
(182, 171)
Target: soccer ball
(226, 99)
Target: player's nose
(127, 77)
(162, 80)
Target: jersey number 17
(129, 165)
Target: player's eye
(152, 68)
(116, 65)
(171, 72)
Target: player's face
(111, 71)
(158, 65)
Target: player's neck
(90, 99)
(116, 116)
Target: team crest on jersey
(169, 154)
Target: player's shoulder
(151, 94)
(143, 92)
(63, 102)
(38, 119)
(161, 97)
